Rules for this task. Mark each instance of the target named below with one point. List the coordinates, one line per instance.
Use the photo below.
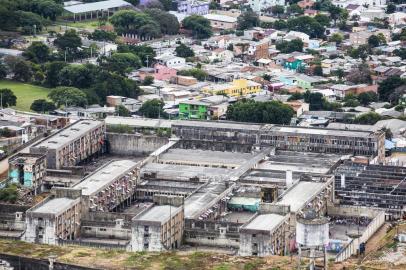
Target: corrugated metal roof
(102, 5)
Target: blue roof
(102, 5)
(389, 144)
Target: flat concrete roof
(158, 213)
(206, 157)
(185, 172)
(219, 124)
(199, 200)
(104, 176)
(265, 222)
(55, 206)
(300, 194)
(139, 122)
(322, 131)
(68, 134)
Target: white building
(170, 60)
(368, 3)
(259, 5)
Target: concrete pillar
(289, 179)
(343, 180)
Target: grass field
(25, 93)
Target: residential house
(239, 87)
(298, 106)
(361, 37)
(367, 3)
(170, 61)
(207, 108)
(221, 21)
(258, 50)
(342, 90)
(308, 82)
(221, 55)
(131, 104)
(193, 7)
(306, 4)
(291, 35)
(260, 5)
(184, 80)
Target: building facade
(73, 144)
(193, 7)
(158, 228)
(28, 169)
(239, 87)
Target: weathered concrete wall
(134, 144)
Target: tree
(388, 86)
(8, 98)
(315, 100)
(390, 8)
(184, 51)
(366, 98)
(273, 112)
(322, 19)
(362, 74)
(22, 71)
(388, 133)
(144, 52)
(80, 76)
(197, 73)
(42, 105)
(247, 20)
(401, 53)
(199, 25)
(367, 118)
(318, 70)
(278, 10)
(122, 63)
(168, 22)
(52, 71)
(3, 71)
(28, 21)
(37, 52)
(153, 109)
(102, 35)
(373, 41)
(362, 52)
(295, 45)
(68, 96)
(335, 12)
(295, 9)
(353, 102)
(48, 9)
(148, 80)
(70, 40)
(280, 25)
(130, 21)
(306, 25)
(337, 38)
(122, 111)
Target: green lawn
(25, 93)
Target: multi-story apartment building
(239, 87)
(73, 144)
(109, 186)
(28, 169)
(193, 7)
(158, 228)
(261, 5)
(52, 219)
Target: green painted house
(192, 109)
(293, 64)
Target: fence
(109, 246)
(353, 247)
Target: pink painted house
(159, 72)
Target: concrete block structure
(28, 169)
(54, 218)
(158, 228)
(363, 143)
(73, 144)
(110, 186)
(264, 235)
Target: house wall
(134, 144)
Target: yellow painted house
(239, 87)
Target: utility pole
(147, 60)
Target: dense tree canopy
(199, 25)
(131, 21)
(42, 105)
(367, 118)
(389, 86)
(68, 96)
(306, 25)
(70, 40)
(247, 20)
(273, 112)
(8, 98)
(144, 52)
(295, 45)
(153, 109)
(184, 51)
(37, 52)
(168, 22)
(122, 63)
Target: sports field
(25, 93)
